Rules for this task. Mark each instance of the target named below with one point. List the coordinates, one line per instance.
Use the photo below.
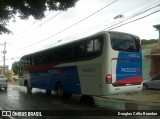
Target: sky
(86, 18)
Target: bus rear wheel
(60, 91)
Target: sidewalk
(144, 100)
(151, 97)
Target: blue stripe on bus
(128, 68)
(46, 79)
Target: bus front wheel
(29, 89)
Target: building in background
(151, 58)
(155, 56)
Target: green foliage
(9, 75)
(26, 8)
(15, 67)
(145, 42)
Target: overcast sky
(87, 17)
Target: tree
(25, 8)
(15, 67)
(151, 41)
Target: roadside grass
(153, 45)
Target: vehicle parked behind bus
(3, 82)
(102, 64)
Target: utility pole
(4, 52)
(4, 57)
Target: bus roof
(81, 39)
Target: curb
(6, 117)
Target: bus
(102, 64)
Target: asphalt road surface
(17, 99)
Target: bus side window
(93, 45)
(33, 61)
(97, 45)
(28, 63)
(82, 48)
(44, 60)
(90, 46)
(62, 55)
(39, 59)
(69, 53)
(20, 69)
(48, 59)
(79, 51)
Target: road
(16, 98)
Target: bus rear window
(124, 42)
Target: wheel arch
(145, 86)
(25, 82)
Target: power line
(54, 16)
(28, 27)
(132, 16)
(136, 6)
(121, 24)
(113, 23)
(129, 17)
(86, 18)
(135, 20)
(73, 24)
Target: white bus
(102, 64)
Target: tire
(29, 89)
(87, 100)
(145, 87)
(48, 92)
(60, 91)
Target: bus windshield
(124, 42)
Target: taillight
(109, 79)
